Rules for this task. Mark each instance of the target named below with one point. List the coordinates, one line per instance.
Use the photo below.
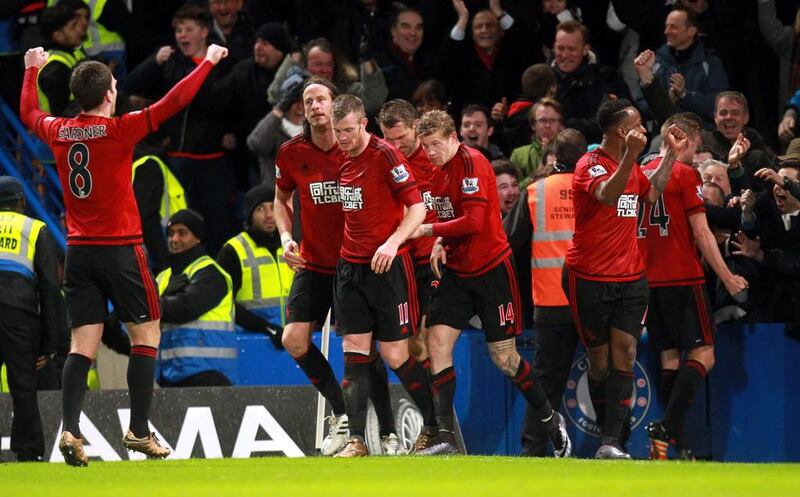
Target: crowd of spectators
(513, 73)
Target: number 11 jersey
(93, 155)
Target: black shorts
(385, 304)
(493, 296)
(426, 281)
(95, 274)
(310, 298)
(680, 317)
(597, 306)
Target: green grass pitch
(406, 476)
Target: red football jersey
(93, 155)
(314, 173)
(374, 189)
(665, 235)
(469, 177)
(423, 171)
(604, 246)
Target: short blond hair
(436, 121)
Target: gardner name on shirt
(75, 133)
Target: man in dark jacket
(485, 67)
(691, 75)
(245, 89)
(31, 313)
(583, 84)
(404, 63)
(771, 225)
(732, 141)
(195, 149)
(232, 27)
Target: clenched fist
(216, 53)
(635, 141)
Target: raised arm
(608, 191)
(29, 111)
(677, 141)
(184, 91)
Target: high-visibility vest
(69, 59)
(101, 39)
(266, 282)
(205, 344)
(173, 198)
(553, 217)
(18, 235)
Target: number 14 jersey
(93, 155)
(664, 232)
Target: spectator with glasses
(546, 121)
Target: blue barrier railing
(747, 411)
(32, 197)
(29, 160)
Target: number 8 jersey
(665, 235)
(93, 155)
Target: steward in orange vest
(540, 226)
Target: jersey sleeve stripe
(387, 153)
(406, 187)
(695, 210)
(467, 160)
(151, 127)
(592, 185)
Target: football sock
(690, 377)
(619, 388)
(356, 387)
(73, 389)
(525, 381)
(666, 383)
(416, 382)
(443, 386)
(319, 372)
(379, 394)
(141, 373)
(597, 392)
